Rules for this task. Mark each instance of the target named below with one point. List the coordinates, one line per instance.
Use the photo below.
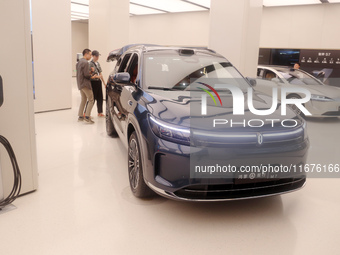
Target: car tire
(110, 128)
(135, 169)
(294, 108)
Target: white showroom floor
(84, 205)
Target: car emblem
(259, 138)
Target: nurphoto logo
(238, 100)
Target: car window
(269, 75)
(260, 72)
(176, 72)
(133, 68)
(297, 77)
(123, 63)
(119, 62)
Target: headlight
(320, 98)
(170, 132)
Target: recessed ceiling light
(86, 2)
(79, 8)
(203, 3)
(142, 10)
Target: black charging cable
(16, 171)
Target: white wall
(52, 54)
(302, 27)
(108, 29)
(309, 26)
(80, 41)
(177, 29)
(234, 32)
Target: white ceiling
(80, 8)
(270, 3)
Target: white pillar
(16, 113)
(235, 32)
(108, 28)
(51, 23)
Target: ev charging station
(16, 96)
(1, 102)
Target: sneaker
(80, 119)
(101, 115)
(88, 120)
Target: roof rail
(115, 54)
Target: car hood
(183, 108)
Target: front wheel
(136, 178)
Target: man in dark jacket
(84, 76)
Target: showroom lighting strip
(169, 5)
(140, 9)
(80, 8)
(201, 3)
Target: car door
(125, 101)
(117, 96)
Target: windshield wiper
(159, 88)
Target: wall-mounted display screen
(281, 57)
(284, 57)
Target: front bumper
(324, 109)
(232, 192)
(167, 171)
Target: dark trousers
(98, 94)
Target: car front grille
(239, 191)
(268, 139)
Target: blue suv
(155, 99)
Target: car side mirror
(251, 81)
(123, 77)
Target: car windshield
(297, 77)
(171, 71)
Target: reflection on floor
(84, 205)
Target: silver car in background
(325, 99)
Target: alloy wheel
(134, 163)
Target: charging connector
(1, 92)
(16, 171)
(1, 184)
